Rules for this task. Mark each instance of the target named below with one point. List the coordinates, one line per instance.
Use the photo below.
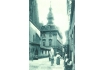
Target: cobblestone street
(45, 64)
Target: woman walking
(58, 58)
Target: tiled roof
(50, 27)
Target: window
(37, 38)
(72, 35)
(33, 49)
(44, 40)
(44, 43)
(50, 42)
(50, 34)
(33, 37)
(45, 52)
(31, 10)
(43, 35)
(42, 51)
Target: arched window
(50, 42)
(44, 40)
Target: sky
(59, 10)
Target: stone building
(34, 41)
(66, 45)
(34, 30)
(71, 31)
(50, 36)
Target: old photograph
(51, 34)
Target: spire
(50, 15)
(50, 9)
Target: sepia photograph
(51, 34)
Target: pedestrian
(65, 59)
(49, 56)
(58, 57)
(52, 60)
(52, 56)
(67, 63)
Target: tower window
(50, 42)
(44, 43)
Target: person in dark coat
(58, 58)
(49, 56)
(52, 60)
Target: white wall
(32, 31)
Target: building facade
(66, 45)
(34, 41)
(34, 30)
(50, 35)
(71, 31)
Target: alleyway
(45, 64)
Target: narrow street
(45, 64)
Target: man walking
(52, 56)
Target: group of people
(53, 58)
(56, 59)
(67, 63)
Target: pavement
(45, 64)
